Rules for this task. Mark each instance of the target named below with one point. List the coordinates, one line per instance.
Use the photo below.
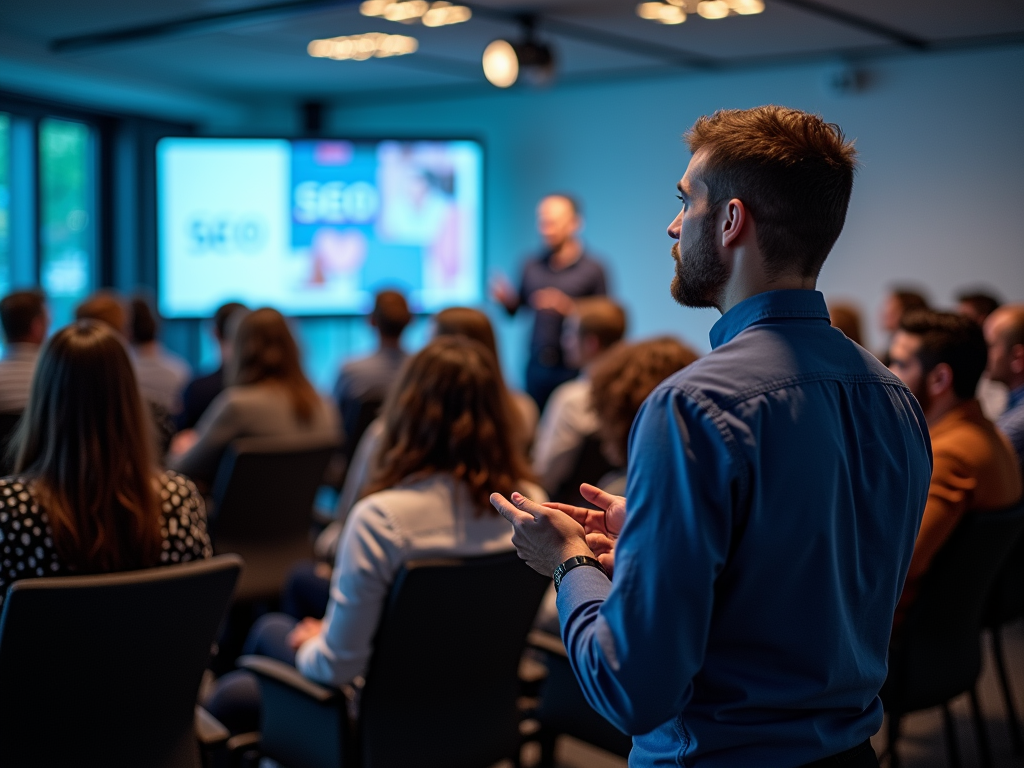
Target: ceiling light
(663, 13)
(362, 47)
(442, 13)
(501, 65)
(675, 11)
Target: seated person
(268, 395)
(940, 356)
(105, 508)
(619, 384)
(162, 375)
(106, 306)
(899, 301)
(594, 327)
(23, 316)
(446, 445)
(977, 306)
(454, 321)
(846, 317)
(367, 379)
(201, 391)
(1004, 333)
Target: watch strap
(575, 562)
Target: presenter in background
(550, 283)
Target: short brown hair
(105, 306)
(18, 311)
(468, 322)
(620, 382)
(952, 339)
(449, 412)
(601, 318)
(144, 323)
(792, 170)
(391, 313)
(846, 317)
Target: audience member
(366, 381)
(993, 395)
(594, 327)
(940, 356)
(162, 375)
(201, 391)
(87, 497)
(620, 382)
(1004, 333)
(976, 305)
(739, 628)
(550, 282)
(846, 317)
(447, 442)
(25, 321)
(474, 324)
(900, 300)
(106, 306)
(268, 395)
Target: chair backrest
(1006, 601)
(104, 670)
(591, 466)
(8, 423)
(265, 488)
(445, 664)
(937, 654)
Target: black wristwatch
(575, 562)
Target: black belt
(861, 756)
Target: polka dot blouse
(26, 543)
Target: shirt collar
(801, 304)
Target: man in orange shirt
(940, 357)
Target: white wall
(938, 199)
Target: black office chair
(1005, 605)
(263, 498)
(937, 653)
(591, 466)
(564, 710)
(442, 684)
(104, 670)
(8, 423)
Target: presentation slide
(316, 227)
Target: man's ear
(1017, 358)
(939, 380)
(734, 218)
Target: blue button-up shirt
(774, 493)
(1011, 423)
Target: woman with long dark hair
(86, 496)
(268, 395)
(447, 443)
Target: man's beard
(700, 275)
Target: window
(5, 203)
(67, 242)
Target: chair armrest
(302, 723)
(545, 641)
(263, 666)
(209, 730)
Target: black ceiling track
(858, 22)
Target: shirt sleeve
(636, 643)
(600, 280)
(369, 556)
(217, 428)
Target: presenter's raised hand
(503, 292)
(544, 537)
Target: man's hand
(607, 520)
(552, 299)
(303, 631)
(544, 537)
(503, 292)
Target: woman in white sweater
(448, 442)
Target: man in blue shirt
(774, 488)
(1004, 333)
(550, 283)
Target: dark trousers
(861, 756)
(542, 380)
(306, 593)
(235, 698)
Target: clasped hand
(546, 535)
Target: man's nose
(676, 227)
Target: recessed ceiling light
(675, 11)
(436, 14)
(362, 47)
(501, 65)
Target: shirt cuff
(579, 586)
